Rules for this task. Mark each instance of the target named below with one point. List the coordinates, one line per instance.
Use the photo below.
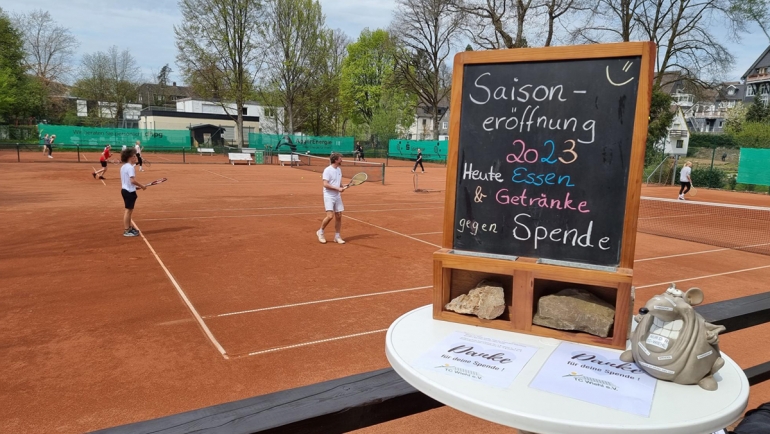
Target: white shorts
(333, 203)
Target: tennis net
(737, 227)
(375, 172)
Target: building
(150, 94)
(422, 127)
(757, 79)
(678, 137)
(209, 120)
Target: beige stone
(577, 310)
(486, 300)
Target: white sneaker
(681, 197)
(50, 156)
(339, 241)
(141, 169)
(321, 238)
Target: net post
(383, 174)
(78, 147)
(18, 153)
(184, 159)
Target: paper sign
(597, 376)
(493, 362)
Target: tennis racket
(146, 162)
(357, 179)
(156, 182)
(693, 191)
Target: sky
(145, 27)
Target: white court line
(156, 155)
(711, 204)
(427, 233)
(288, 347)
(184, 297)
(223, 176)
(681, 254)
(315, 206)
(316, 302)
(702, 277)
(105, 184)
(289, 214)
(397, 233)
(739, 248)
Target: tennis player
(418, 161)
(103, 159)
(332, 178)
(49, 146)
(685, 180)
(138, 148)
(128, 185)
(47, 140)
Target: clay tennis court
(228, 294)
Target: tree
(322, 101)
(162, 79)
(487, 22)
(425, 31)
(683, 30)
(110, 77)
(20, 97)
(369, 60)
(49, 47)
(661, 117)
(758, 112)
(293, 30)
(735, 118)
(756, 11)
(218, 50)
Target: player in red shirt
(103, 160)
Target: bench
(239, 156)
(370, 398)
(288, 158)
(248, 150)
(206, 151)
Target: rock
(486, 301)
(575, 309)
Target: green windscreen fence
(432, 150)
(754, 166)
(316, 145)
(70, 136)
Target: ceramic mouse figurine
(672, 342)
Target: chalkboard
(543, 157)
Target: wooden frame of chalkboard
(544, 169)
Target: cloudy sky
(145, 27)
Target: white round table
(676, 409)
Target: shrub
(744, 187)
(731, 181)
(702, 140)
(710, 178)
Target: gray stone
(486, 301)
(577, 310)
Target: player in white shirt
(332, 179)
(138, 148)
(685, 180)
(128, 185)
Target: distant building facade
(757, 79)
(198, 114)
(422, 127)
